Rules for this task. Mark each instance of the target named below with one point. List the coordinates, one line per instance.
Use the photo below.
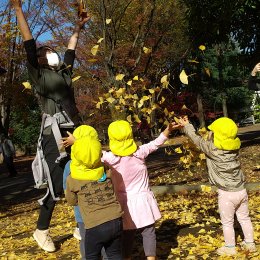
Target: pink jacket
(131, 184)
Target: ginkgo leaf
(98, 105)
(75, 78)
(178, 150)
(166, 112)
(207, 71)
(137, 119)
(176, 119)
(92, 60)
(110, 100)
(202, 156)
(147, 50)
(135, 78)
(205, 188)
(108, 21)
(193, 61)
(119, 77)
(184, 107)
(164, 79)
(151, 91)
(162, 100)
(183, 77)
(27, 85)
(129, 83)
(135, 97)
(100, 40)
(202, 47)
(94, 50)
(129, 119)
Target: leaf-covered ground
(189, 228)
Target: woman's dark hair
(41, 54)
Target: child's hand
(173, 126)
(67, 141)
(184, 121)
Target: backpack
(40, 169)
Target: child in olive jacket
(90, 189)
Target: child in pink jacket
(131, 183)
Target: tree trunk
(224, 105)
(200, 110)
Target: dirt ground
(19, 209)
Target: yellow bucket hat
(121, 141)
(85, 130)
(86, 155)
(225, 134)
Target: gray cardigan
(223, 166)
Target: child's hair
(121, 140)
(225, 134)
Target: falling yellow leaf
(137, 118)
(92, 60)
(27, 85)
(135, 78)
(120, 76)
(108, 21)
(207, 71)
(129, 83)
(162, 100)
(110, 100)
(176, 119)
(94, 50)
(76, 78)
(178, 150)
(164, 79)
(129, 119)
(147, 50)
(202, 47)
(100, 40)
(193, 61)
(98, 105)
(184, 107)
(151, 91)
(184, 78)
(166, 111)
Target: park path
(20, 189)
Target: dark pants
(9, 162)
(149, 240)
(51, 153)
(107, 235)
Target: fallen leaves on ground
(189, 229)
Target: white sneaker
(44, 240)
(224, 250)
(76, 233)
(248, 246)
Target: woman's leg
(51, 153)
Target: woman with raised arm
(51, 80)
(254, 79)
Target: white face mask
(53, 59)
